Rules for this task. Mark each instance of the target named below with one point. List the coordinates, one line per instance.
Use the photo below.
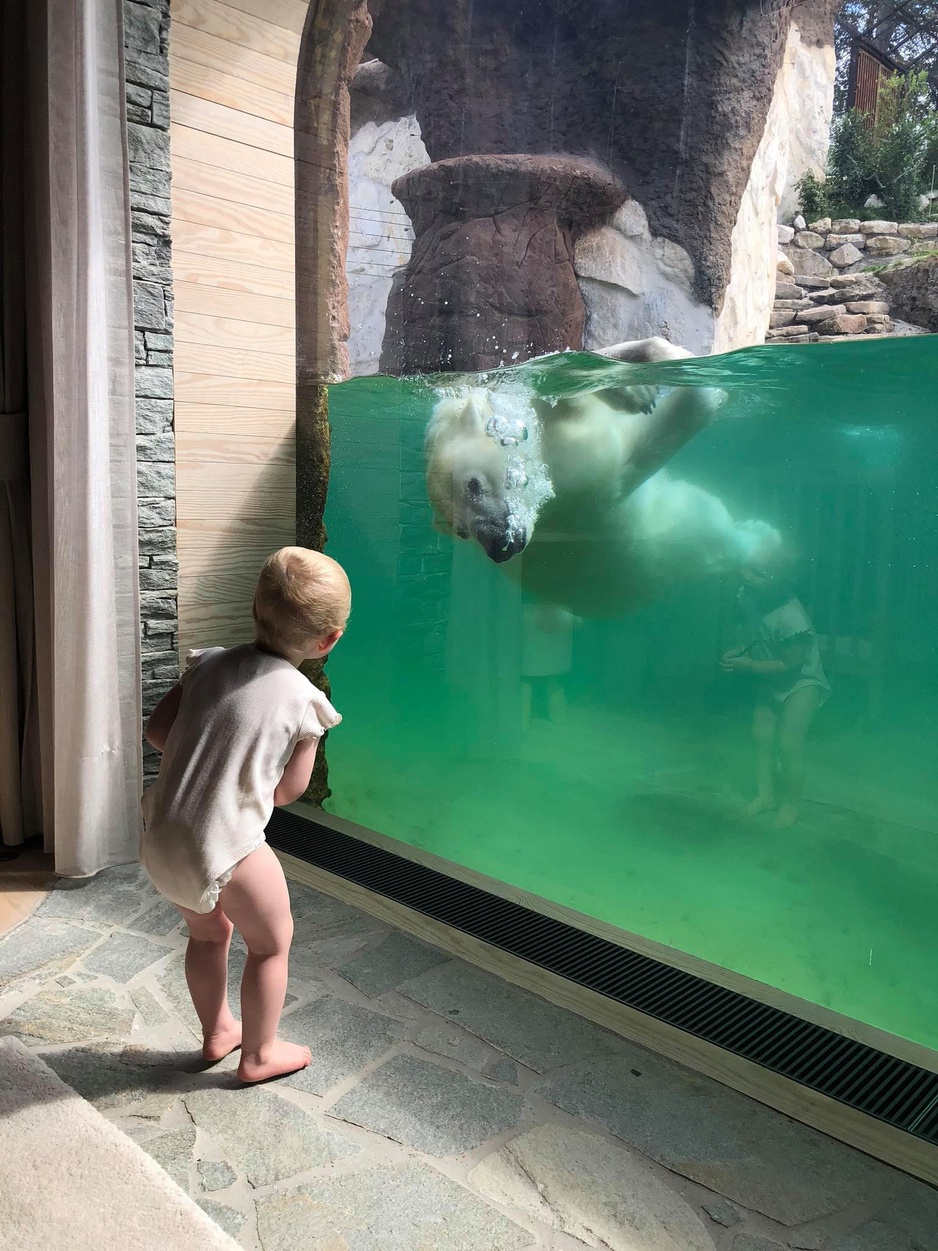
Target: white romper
(242, 713)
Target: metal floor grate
(889, 1089)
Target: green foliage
(812, 196)
(892, 160)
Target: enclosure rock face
(491, 277)
(671, 95)
(913, 292)
(380, 234)
(636, 286)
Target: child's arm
(792, 655)
(299, 770)
(162, 718)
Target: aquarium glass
(581, 583)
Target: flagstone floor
(444, 1109)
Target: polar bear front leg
(645, 351)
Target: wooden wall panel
(232, 78)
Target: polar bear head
(478, 475)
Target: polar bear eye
(474, 488)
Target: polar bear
(605, 528)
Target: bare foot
(221, 1043)
(788, 816)
(277, 1060)
(760, 805)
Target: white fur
(609, 528)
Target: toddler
(784, 654)
(238, 734)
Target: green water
(617, 791)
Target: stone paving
(444, 1109)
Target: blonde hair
(301, 595)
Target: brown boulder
(913, 292)
(491, 276)
(843, 324)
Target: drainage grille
(854, 1074)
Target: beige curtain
(79, 716)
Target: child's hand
(733, 662)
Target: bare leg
(764, 729)
(797, 714)
(557, 702)
(207, 978)
(257, 901)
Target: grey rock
(787, 291)
(146, 69)
(808, 239)
(173, 1152)
(504, 1071)
(162, 919)
(845, 255)
(747, 1241)
(878, 228)
(140, 349)
(156, 514)
(105, 1081)
(161, 359)
(873, 1236)
(811, 1239)
(147, 146)
(821, 313)
(809, 263)
(838, 241)
(156, 480)
(153, 416)
(137, 114)
(327, 933)
(918, 230)
(722, 1213)
(141, 96)
(428, 1107)
(406, 1207)
(155, 182)
(62, 1016)
(148, 1006)
(445, 1039)
(718, 1138)
(845, 225)
(156, 447)
(915, 1214)
(799, 222)
(395, 960)
(342, 1037)
(109, 898)
(811, 281)
(141, 28)
(883, 246)
(158, 342)
(51, 947)
(216, 1175)
(148, 224)
(123, 956)
(270, 1138)
(528, 1029)
(153, 382)
(592, 1190)
(149, 311)
(227, 1218)
(160, 112)
(785, 234)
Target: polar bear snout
(499, 532)
(501, 543)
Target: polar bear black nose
(499, 547)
